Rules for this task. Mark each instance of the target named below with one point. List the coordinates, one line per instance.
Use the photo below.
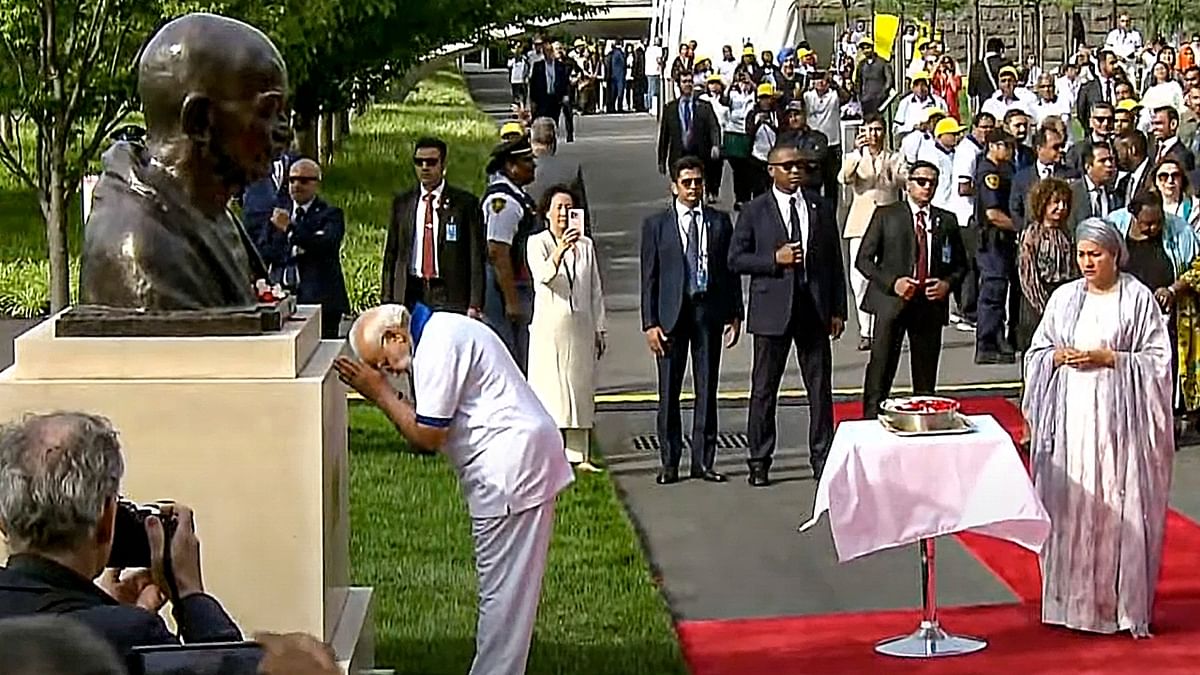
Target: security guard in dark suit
(995, 331)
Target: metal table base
(930, 639)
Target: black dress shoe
(709, 476)
(758, 476)
(667, 476)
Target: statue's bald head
(208, 57)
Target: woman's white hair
(370, 326)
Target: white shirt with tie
(784, 201)
(1164, 146)
(1098, 196)
(418, 247)
(912, 206)
(683, 222)
(1044, 170)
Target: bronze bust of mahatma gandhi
(160, 236)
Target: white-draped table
(883, 490)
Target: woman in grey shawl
(1101, 358)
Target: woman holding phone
(566, 335)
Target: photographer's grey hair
(56, 471)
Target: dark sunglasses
(302, 179)
(691, 182)
(1103, 119)
(426, 161)
(923, 182)
(1057, 146)
(1170, 175)
(797, 165)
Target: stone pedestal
(251, 432)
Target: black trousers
(829, 171)
(331, 321)
(713, 168)
(568, 114)
(921, 321)
(760, 177)
(807, 332)
(698, 333)
(966, 296)
(743, 179)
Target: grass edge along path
(600, 612)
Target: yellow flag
(886, 27)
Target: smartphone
(215, 658)
(575, 220)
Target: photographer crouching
(60, 477)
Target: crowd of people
(1078, 250)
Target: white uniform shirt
(418, 247)
(825, 114)
(966, 156)
(502, 214)
(784, 202)
(506, 449)
(997, 105)
(653, 54)
(947, 187)
(1124, 43)
(910, 147)
(726, 69)
(911, 111)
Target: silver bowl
(920, 421)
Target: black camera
(131, 543)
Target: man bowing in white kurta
(474, 405)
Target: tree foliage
(67, 73)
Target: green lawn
(600, 611)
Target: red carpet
(1018, 642)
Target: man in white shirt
(824, 105)
(940, 153)
(474, 405)
(910, 147)
(1009, 96)
(1126, 42)
(919, 98)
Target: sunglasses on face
(1103, 119)
(796, 165)
(426, 161)
(303, 180)
(1170, 176)
(691, 182)
(922, 181)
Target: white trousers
(578, 444)
(510, 560)
(858, 283)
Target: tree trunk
(306, 135)
(343, 123)
(326, 138)
(55, 211)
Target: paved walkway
(729, 551)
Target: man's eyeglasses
(691, 182)
(922, 181)
(797, 165)
(1172, 176)
(426, 161)
(305, 180)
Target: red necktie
(922, 270)
(427, 242)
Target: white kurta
(568, 311)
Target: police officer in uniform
(998, 308)
(510, 217)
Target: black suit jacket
(314, 244)
(35, 585)
(1180, 153)
(889, 251)
(983, 74)
(1089, 95)
(664, 270)
(706, 132)
(460, 263)
(760, 232)
(1023, 182)
(1081, 202)
(548, 103)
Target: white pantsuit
(568, 314)
(876, 180)
(510, 560)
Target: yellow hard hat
(1129, 105)
(748, 51)
(766, 89)
(920, 75)
(931, 113)
(948, 125)
(714, 77)
(1009, 70)
(511, 128)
